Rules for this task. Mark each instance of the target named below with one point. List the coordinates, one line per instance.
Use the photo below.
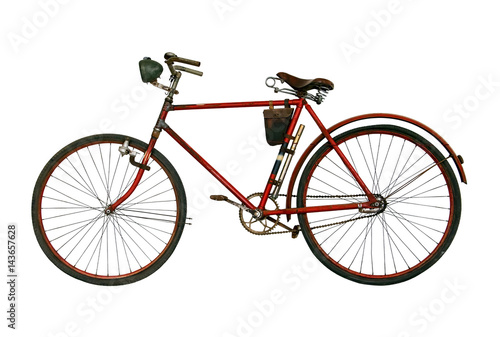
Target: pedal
(234, 203)
(219, 197)
(295, 231)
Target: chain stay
(327, 225)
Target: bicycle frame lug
(161, 124)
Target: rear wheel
(68, 210)
(419, 213)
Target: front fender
(457, 159)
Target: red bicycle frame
(299, 104)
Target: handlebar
(170, 58)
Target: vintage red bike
(377, 203)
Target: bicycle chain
(327, 225)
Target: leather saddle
(306, 85)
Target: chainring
(262, 226)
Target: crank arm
(295, 230)
(279, 223)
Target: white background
(69, 68)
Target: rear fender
(457, 159)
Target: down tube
(209, 168)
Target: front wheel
(68, 210)
(419, 213)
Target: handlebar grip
(171, 58)
(187, 61)
(192, 71)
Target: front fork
(143, 165)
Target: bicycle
(377, 204)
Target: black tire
(79, 183)
(418, 218)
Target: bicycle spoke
(416, 225)
(88, 187)
(364, 159)
(142, 201)
(124, 244)
(99, 244)
(67, 214)
(88, 176)
(145, 227)
(79, 229)
(87, 190)
(70, 224)
(352, 244)
(336, 175)
(145, 211)
(397, 199)
(376, 183)
(142, 237)
(97, 171)
(368, 230)
(78, 201)
(74, 236)
(389, 240)
(334, 188)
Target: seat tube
(274, 173)
(344, 159)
